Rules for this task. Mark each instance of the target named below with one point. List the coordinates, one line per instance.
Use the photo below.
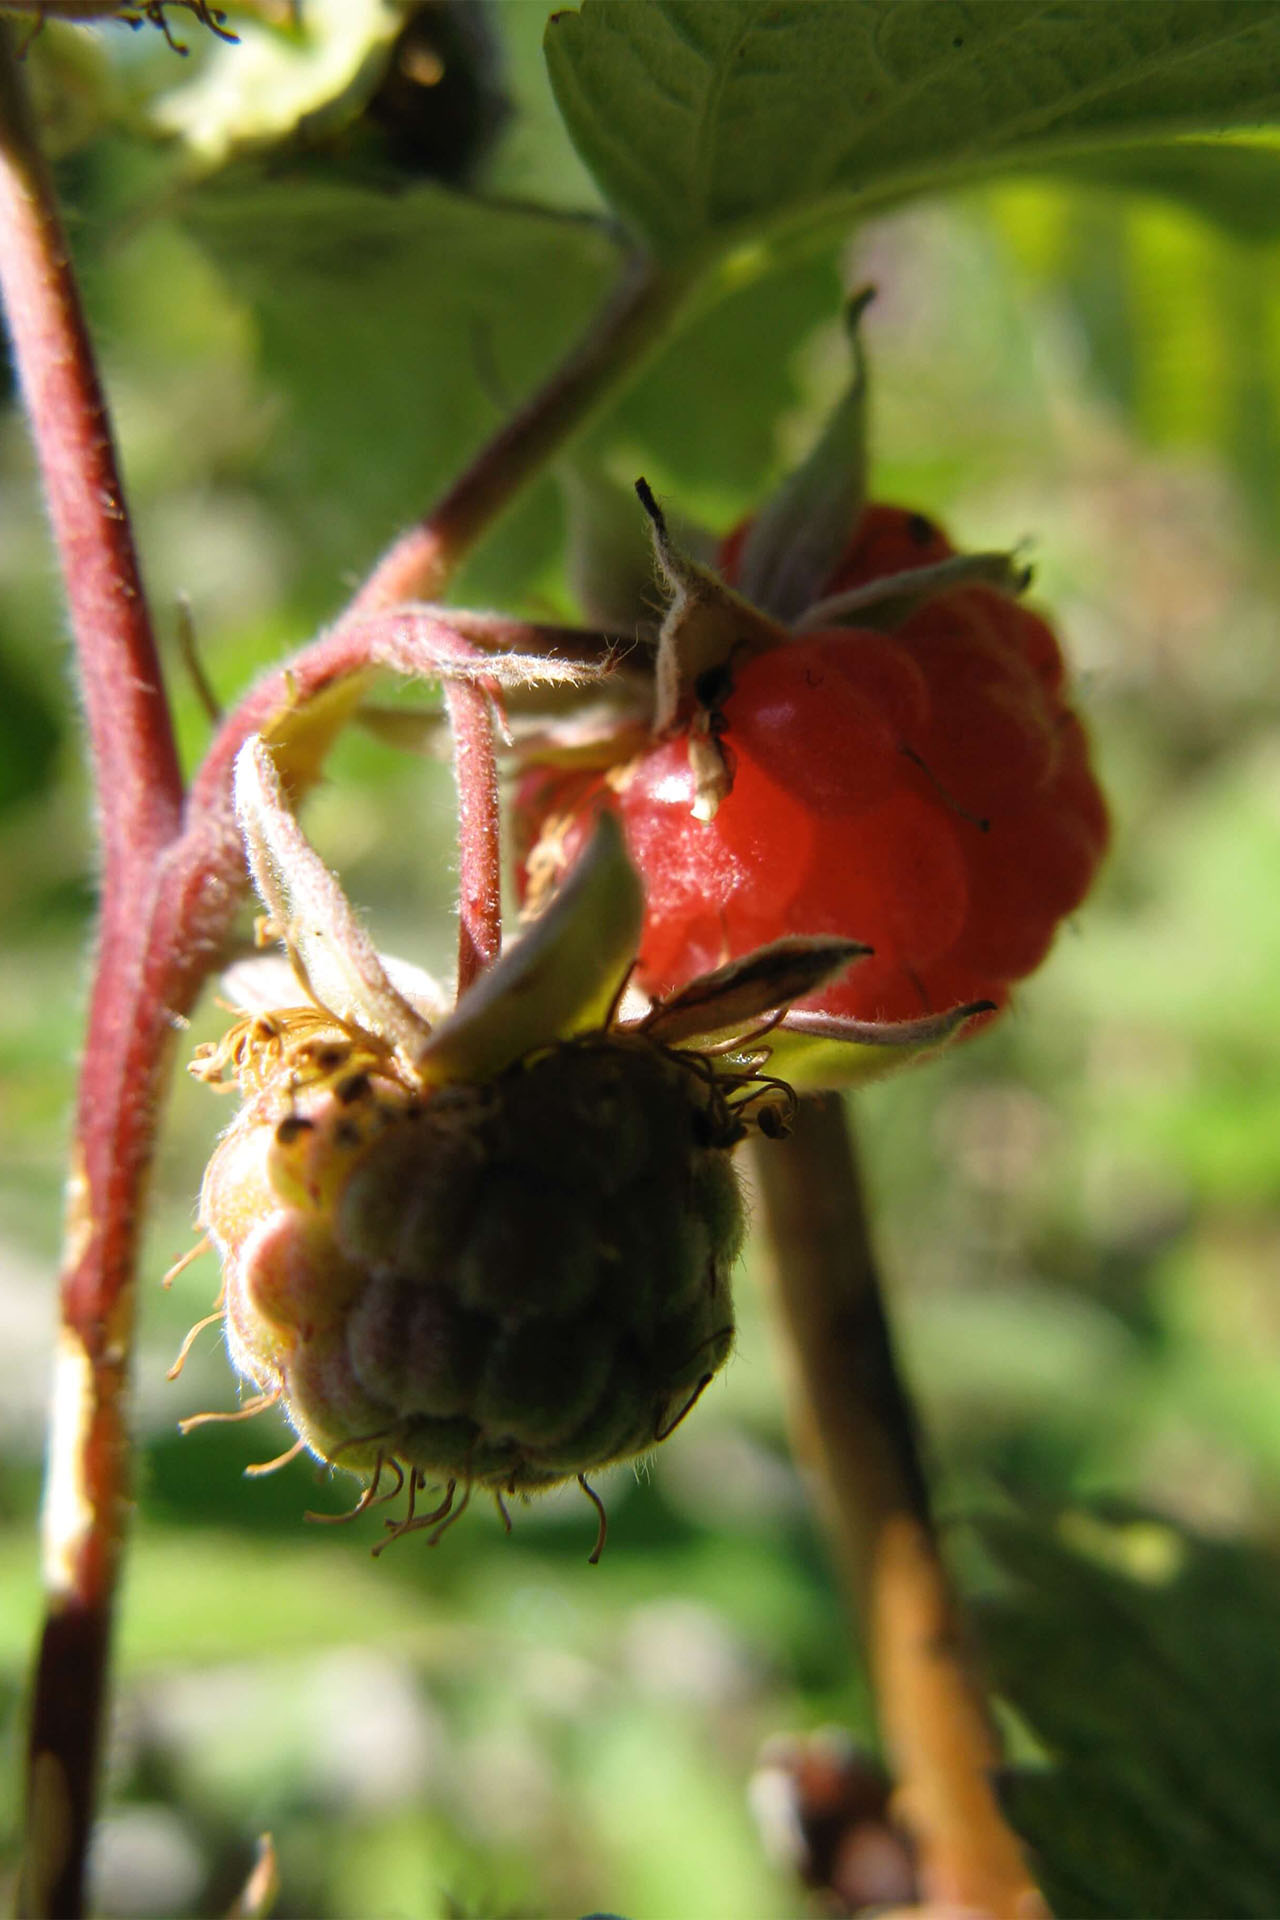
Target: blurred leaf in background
(1135, 1655)
(1080, 1212)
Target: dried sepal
(710, 767)
(707, 624)
(334, 958)
(737, 995)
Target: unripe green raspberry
(491, 1248)
(506, 1283)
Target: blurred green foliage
(1080, 1212)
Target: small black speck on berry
(714, 686)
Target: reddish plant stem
(139, 788)
(129, 725)
(856, 1424)
(307, 699)
(634, 319)
(475, 771)
(575, 646)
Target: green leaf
(334, 956)
(610, 555)
(1137, 1656)
(397, 328)
(705, 122)
(1233, 182)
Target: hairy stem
(632, 321)
(140, 796)
(857, 1425)
(475, 772)
(130, 732)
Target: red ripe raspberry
(887, 540)
(925, 791)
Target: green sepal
(883, 604)
(417, 730)
(795, 541)
(563, 977)
(818, 1052)
(332, 955)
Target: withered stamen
(246, 1412)
(264, 1467)
(602, 1533)
(209, 1320)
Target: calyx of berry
(780, 581)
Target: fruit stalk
(475, 774)
(856, 1424)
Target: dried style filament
(247, 1412)
(445, 1514)
(210, 1319)
(369, 1498)
(203, 1245)
(602, 1534)
(264, 1467)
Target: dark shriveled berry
(504, 1284)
